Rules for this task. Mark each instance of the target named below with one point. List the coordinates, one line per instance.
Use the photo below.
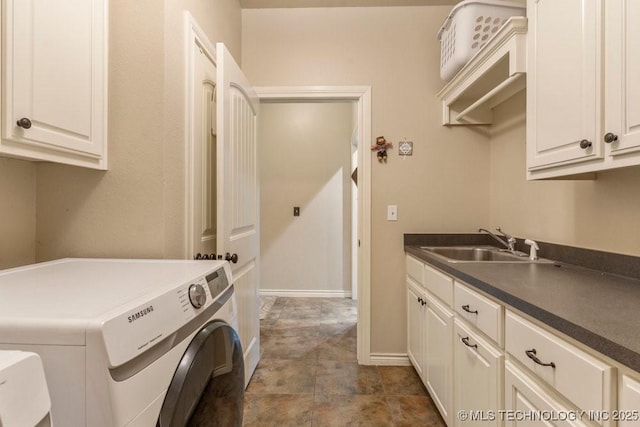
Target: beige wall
(17, 212)
(600, 214)
(136, 209)
(305, 161)
(444, 186)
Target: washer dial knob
(197, 295)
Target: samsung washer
(129, 342)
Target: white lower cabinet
(527, 404)
(439, 356)
(430, 334)
(477, 378)
(415, 325)
(484, 364)
(628, 402)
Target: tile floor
(308, 374)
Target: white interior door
(237, 182)
(203, 160)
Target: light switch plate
(392, 213)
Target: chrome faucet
(509, 243)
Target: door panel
(237, 183)
(55, 74)
(623, 75)
(563, 81)
(204, 153)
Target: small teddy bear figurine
(381, 147)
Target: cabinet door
(439, 356)
(563, 82)
(523, 396)
(622, 76)
(55, 80)
(629, 402)
(415, 320)
(477, 377)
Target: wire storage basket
(468, 27)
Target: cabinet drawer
(415, 269)
(580, 377)
(479, 310)
(438, 284)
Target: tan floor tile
(338, 348)
(401, 381)
(300, 312)
(308, 373)
(302, 302)
(339, 302)
(337, 327)
(291, 347)
(357, 410)
(283, 377)
(347, 314)
(277, 410)
(292, 327)
(346, 378)
(414, 411)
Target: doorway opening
(315, 229)
(305, 156)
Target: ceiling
(266, 4)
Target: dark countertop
(595, 308)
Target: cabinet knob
(24, 123)
(585, 143)
(232, 258)
(610, 137)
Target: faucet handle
(499, 230)
(510, 239)
(533, 254)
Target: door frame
(194, 35)
(361, 95)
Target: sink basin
(476, 254)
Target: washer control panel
(143, 326)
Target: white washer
(129, 342)
(24, 398)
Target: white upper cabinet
(55, 81)
(622, 70)
(563, 82)
(583, 86)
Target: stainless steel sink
(476, 254)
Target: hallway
(308, 374)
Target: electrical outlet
(392, 213)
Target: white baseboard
(390, 359)
(304, 293)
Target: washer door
(208, 387)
